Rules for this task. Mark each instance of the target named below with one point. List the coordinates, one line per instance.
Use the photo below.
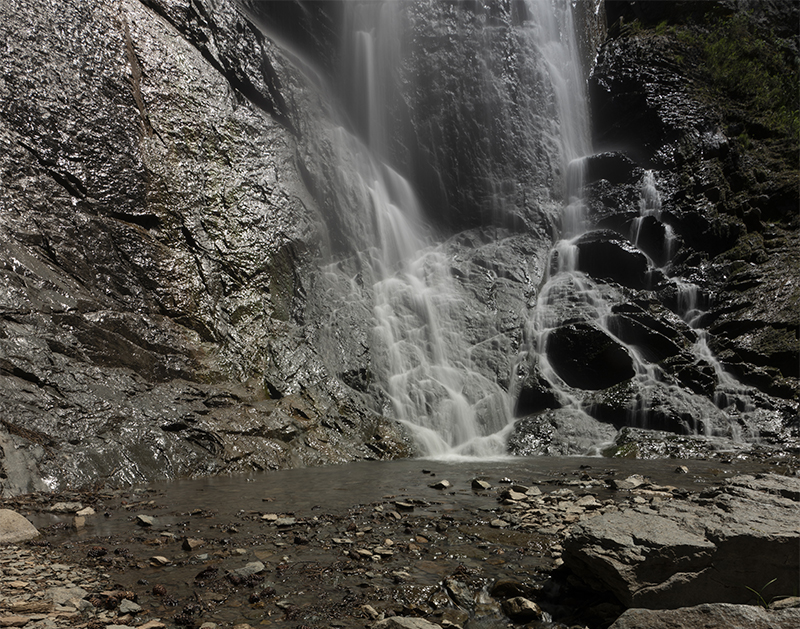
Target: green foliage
(759, 594)
(753, 71)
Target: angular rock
(585, 357)
(145, 520)
(402, 622)
(254, 567)
(607, 255)
(442, 484)
(709, 616)
(520, 609)
(710, 549)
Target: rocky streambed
(541, 542)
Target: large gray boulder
(714, 548)
(710, 616)
(15, 528)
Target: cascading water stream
(419, 355)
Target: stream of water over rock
(393, 256)
(420, 355)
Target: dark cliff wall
(157, 246)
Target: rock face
(184, 247)
(158, 247)
(718, 547)
(688, 224)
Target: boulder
(614, 167)
(585, 357)
(606, 255)
(713, 548)
(710, 616)
(15, 528)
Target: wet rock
(654, 444)
(190, 544)
(401, 622)
(713, 616)
(509, 588)
(608, 256)
(535, 394)
(129, 607)
(561, 432)
(15, 528)
(251, 568)
(521, 609)
(614, 167)
(66, 507)
(145, 520)
(706, 550)
(585, 357)
(442, 484)
(480, 485)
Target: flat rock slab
(15, 528)
(710, 616)
(716, 547)
(401, 622)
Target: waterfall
(420, 357)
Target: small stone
(254, 567)
(157, 624)
(681, 469)
(240, 552)
(128, 607)
(480, 485)
(145, 520)
(510, 494)
(520, 609)
(402, 622)
(62, 595)
(282, 522)
(79, 522)
(190, 543)
(87, 511)
(370, 611)
(66, 507)
(442, 484)
(404, 506)
(270, 517)
(159, 560)
(81, 604)
(498, 524)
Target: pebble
(48, 597)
